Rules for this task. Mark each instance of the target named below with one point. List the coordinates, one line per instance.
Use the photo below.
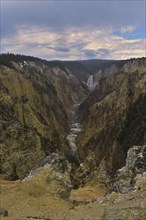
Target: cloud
(103, 51)
(73, 29)
(60, 15)
(127, 29)
(57, 48)
(72, 43)
(99, 53)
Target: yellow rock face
(35, 100)
(113, 115)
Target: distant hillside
(94, 65)
(79, 70)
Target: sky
(73, 29)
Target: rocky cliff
(113, 116)
(35, 99)
(133, 175)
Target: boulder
(3, 212)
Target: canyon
(69, 133)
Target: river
(75, 126)
(74, 131)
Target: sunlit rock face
(113, 115)
(35, 100)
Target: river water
(75, 126)
(74, 131)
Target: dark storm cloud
(63, 14)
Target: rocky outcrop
(133, 175)
(54, 173)
(113, 115)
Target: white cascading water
(90, 83)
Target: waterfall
(91, 84)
